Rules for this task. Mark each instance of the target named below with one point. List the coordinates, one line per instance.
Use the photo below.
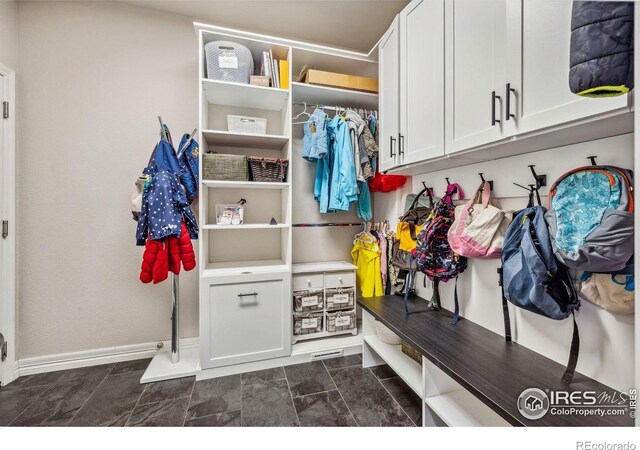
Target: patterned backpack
(590, 218)
(433, 254)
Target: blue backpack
(533, 279)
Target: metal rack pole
(175, 318)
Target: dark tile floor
(333, 392)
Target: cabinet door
(421, 81)
(388, 74)
(476, 61)
(540, 69)
(245, 320)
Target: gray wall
(92, 79)
(9, 34)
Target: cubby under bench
(470, 376)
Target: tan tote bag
(479, 227)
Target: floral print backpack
(433, 254)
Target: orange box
(340, 80)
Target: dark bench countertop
(495, 371)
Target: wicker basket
(268, 169)
(340, 298)
(307, 323)
(411, 352)
(386, 335)
(341, 321)
(311, 300)
(221, 167)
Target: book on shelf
(267, 66)
(284, 74)
(276, 74)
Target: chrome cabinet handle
(253, 294)
(400, 144)
(391, 141)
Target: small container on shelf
(230, 214)
(260, 80)
(308, 301)
(268, 169)
(307, 323)
(341, 321)
(340, 298)
(220, 167)
(228, 61)
(246, 124)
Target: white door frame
(8, 273)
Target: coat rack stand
(171, 363)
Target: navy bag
(533, 279)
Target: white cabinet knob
(309, 282)
(340, 279)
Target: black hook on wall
(484, 181)
(593, 160)
(541, 180)
(447, 178)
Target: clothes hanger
(304, 112)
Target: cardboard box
(260, 80)
(342, 81)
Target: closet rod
(333, 108)
(304, 225)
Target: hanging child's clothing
(366, 255)
(315, 144)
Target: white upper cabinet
(476, 72)
(539, 74)
(421, 81)
(388, 74)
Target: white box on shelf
(245, 124)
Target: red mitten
(174, 254)
(151, 249)
(161, 266)
(187, 255)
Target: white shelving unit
(323, 95)
(244, 140)
(244, 95)
(243, 185)
(411, 371)
(246, 270)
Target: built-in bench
(470, 376)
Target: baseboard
(86, 358)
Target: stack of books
(276, 70)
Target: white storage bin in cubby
(246, 124)
(228, 61)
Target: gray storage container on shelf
(341, 321)
(228, 61)
(307, 323)
(220, 167)
(309, 300)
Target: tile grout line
(193, 388)
(136, 405)
(47, 387)
(316, 393)
(340, 392)
(391, 395)
(89, 398)
(293, 404)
